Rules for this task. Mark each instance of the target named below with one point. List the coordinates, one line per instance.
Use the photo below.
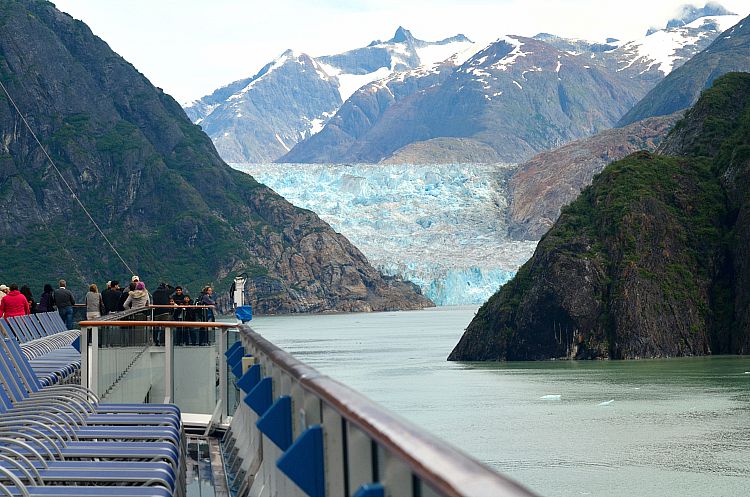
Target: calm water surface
(677, 427)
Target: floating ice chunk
(550, 397)
(606, 402)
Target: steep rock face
(650, 261)
(682, 87)
(259, 119)
(518, 96)
(541, 186)
(346, 133)
(153, 181)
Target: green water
(678, 427)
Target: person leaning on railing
(138, 298)
(207, 298)
(111, 297)
(47, 301)
(64, 300)
(94, 303)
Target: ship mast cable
(106, 239)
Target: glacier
(442, 227)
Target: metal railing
(91, 333)
(365, 443)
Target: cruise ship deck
(140, 405)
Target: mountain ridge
(482, 99)
(154, 183)
(682, 87)
(261, 118)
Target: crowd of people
(20, 302)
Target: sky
(191, 47)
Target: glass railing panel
(148, 361)
(195, 370)
(122, 361)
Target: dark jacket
(46, 303)
(111, 299)
(63, 298)
(160, 296)
(123, 297)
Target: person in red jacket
(14, 304)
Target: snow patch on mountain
(661, 48)
(433, 54)
(442, 227)
(510, 59)
(349, 83)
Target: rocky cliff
(541, 186)
(682, 87)
(153, 181)
(651, 260)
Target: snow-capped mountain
(508, 105)
(366, 107)
(730, 52)
(261, 118)
(514, 98)
(690, 13)
(660, 52)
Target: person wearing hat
(3, 291)
(135, 279)
(138, 298)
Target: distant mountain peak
(689, 13)
(459, 38)
(402, 35)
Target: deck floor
(205, 472)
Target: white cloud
(190, 47)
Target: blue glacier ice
(440, 226)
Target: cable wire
(65, 181)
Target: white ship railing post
(94, 381)
(84, 345)
(223, 394)
(168, 366)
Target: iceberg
(442, 227)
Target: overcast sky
(191, 47)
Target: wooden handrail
(160, 324)
(446, 469)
